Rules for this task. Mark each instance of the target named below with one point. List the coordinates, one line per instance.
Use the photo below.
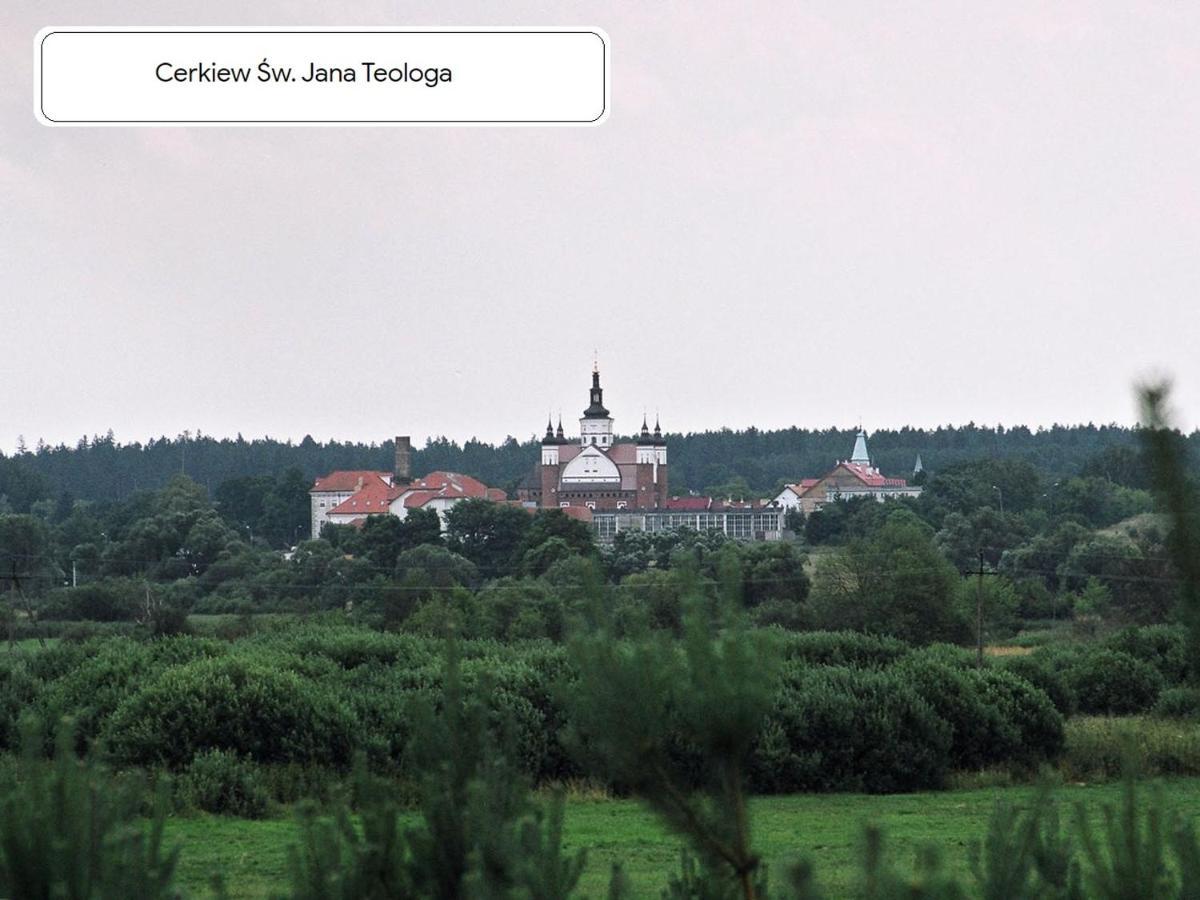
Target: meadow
(827, 829)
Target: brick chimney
(403, 472)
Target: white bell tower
(596, 426)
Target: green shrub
(1162, 646)
(478, 834)
(110, 600)
(1178, 703)
(520, 691)
(980, 732)
(837, 728)
(18, 688)
(1112, 682)
(67, 830)
(231, 704)
(222, 782)
(380, 698)
(1038, 672)
(350, 646)
(56, 660)
(844, 648)
(91, 691)
(1036, 724)
(946, 654)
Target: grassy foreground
(252, 856)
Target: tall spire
(657, 429)
(596, 408)
(549, 430)
(860, 455)
(644, 437)
(559, 434)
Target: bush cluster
(293, 703)
(280, 707)
(838, 728)
(1178, 703)
(224, 783)
(1124, 674)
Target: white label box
(310, 76)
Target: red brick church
(596, 473)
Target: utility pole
(979, 615)
(30, 612)
(979, 611)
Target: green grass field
(252, 856)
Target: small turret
(660, 444)
(551, 443)
(860, 455)
(644, 438)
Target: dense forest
(101, 468)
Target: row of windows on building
(742, 525)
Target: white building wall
(788, 499)
(596, 431)
(322, 502)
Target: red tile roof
(464, 485)
(349, 480)
(871, 477)
(416, 499)
(866, 475)
(374, 498)
(688, 504)
(373, 495)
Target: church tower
(860, 449)
(551, 443)
(599, 474)
(645, 446)
(596, 426)
(549, 446)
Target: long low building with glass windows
(743, 521)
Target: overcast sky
(796, 214)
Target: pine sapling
(636, 701)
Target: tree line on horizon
(720, 462)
